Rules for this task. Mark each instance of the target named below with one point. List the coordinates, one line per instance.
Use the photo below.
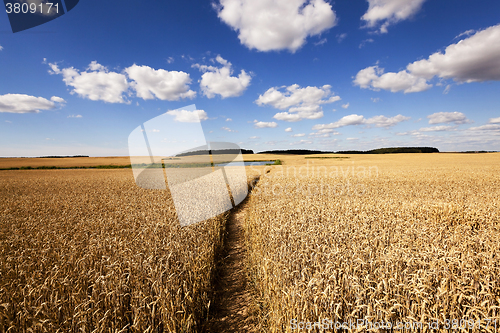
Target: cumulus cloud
(20, 103)
(57, 99)
(302, 103)
(474, 59)
(374, 78)
(494, 121)
(298, 135)
(185, 116)
(263, 124)
(308, 142)
(149, 83)
(270, 25)
(354, 119)
(228, 129)
(364, 42)
(341, 37)
(289, 129)
(466, 33)
(218, 80)
(1, 47)
(345, 106)
(229, 119)
(382, 13)
(442, 128)
(489, 127)
(96, 83)
(386, 122)
(448, 117)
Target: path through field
(232, 310)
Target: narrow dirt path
(232, 311)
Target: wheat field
(406, 238)
(418, 241)
(89, 251)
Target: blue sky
(266, 74)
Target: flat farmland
(406, 240)
(397, 238)
(74, 162)
(64, 162)
(88, 250)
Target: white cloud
(289, 129)
(466, 33)
(324, 133)
(298, 135)
(270, 25)
(374, 78)
(345, 106)
(375, 99)
(229, 119)
(489, 127)
(473, 59)
(321, 42)
(437, 128)
(8, 121)
(218, 80)
(75, 116)
(494, 121)
(228, 129)
(341, 37)
(262, 124)
(386, 12)
(162, 84)
(255, 137)
(185, 116)
(308, 142)
(364, 42)
(1, 47)
(383, 121)
(354, 119)
(170, 60)
(98, 84)
(302, 103)
(20, 103)
(448, 117)
(57, 99)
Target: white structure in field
(198, 173)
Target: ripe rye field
(384, 238)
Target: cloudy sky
(266, 74)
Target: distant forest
(217, 152)
(394, 150)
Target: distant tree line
(395, 150)
(217, 152)
(373, 151)
(63, 156)
(295, 152)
